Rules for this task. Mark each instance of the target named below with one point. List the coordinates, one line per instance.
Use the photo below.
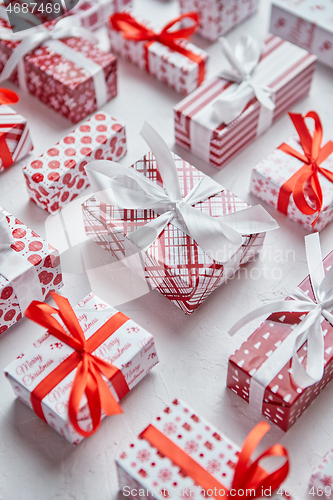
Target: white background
(35, 462)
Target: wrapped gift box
(321, 482)
(285, 68)
(217, 17)
(40, 265)
(174, 264)
(95, 13)
(142, 466)
(58, 175)
(54, 73)
(307, 24)
(284, 401)
(169, 66)
(129, 348)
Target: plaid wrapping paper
(174, 264)
(17, 134)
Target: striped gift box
(15, 129)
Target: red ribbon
(247, 475)
(90, 368)
(6, 97)
(133, 30)
(307, 175)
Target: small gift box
(72, 381)
(94, 13)
(217, 17)
(181, 455)
(59, 64)
(58, 175)
(29, 269)
(15, 140)
(321, 482)
(287, 361)
(186, 232)
(297, 178)
(307, 24)
(165, 54)
(230, 111)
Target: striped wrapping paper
(17, 135)
(287, 70)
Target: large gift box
(94, 13)
(181, 455)
(282, 367)
(29, 269)
(297, 178)
(186, 248)
(165, 54)
(217, 17)
(229, 111)
(307, 23)
(73, 381)
(61, 65)
(321, 481)
(15, 139)
(58, 175)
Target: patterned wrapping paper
(308, 24)
(130, 348)
(17, 135)
(226, 141)
(58, 175)
(142, 467)
(217, 17)
(168, 66)
(284, 402)
(321, 482)
(274, 170)
(42, 256)
(95, 13)
(59, 82)
(174, 264)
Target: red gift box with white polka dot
(284, 402)
(42, 256)
(58, 175)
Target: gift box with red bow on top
(75, 374)
(181, 455)
(58, 175)
(281, 368)
(165, 54)
(185, 232)
(15, 140)
(94, 13)
(60, 64)
(29, 269)
(297, 178)
(229, 111)
(217, 17)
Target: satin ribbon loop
(8, 96)
(307, 177)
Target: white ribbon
(66, 27)
(308, 330)
(21, 274)
(219, 237)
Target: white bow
(219, 237)
(244, 61)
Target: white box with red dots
(58, 175)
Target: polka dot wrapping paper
(44, 258)
(58, 175)
(94, 13)
(284, 402)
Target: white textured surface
(35, 462)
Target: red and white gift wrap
(217, 17)
(94, 13)
(152, 462)
(321, 482)
(254, 371)
(70, 75)
(58, 175)
(284, 72)
(29, 269)
(183, 73)
(129, 348)
(308, 24)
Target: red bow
(90, 368)
(6, 97)
(133, 30)
(307, 175)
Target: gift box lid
(320, 14)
